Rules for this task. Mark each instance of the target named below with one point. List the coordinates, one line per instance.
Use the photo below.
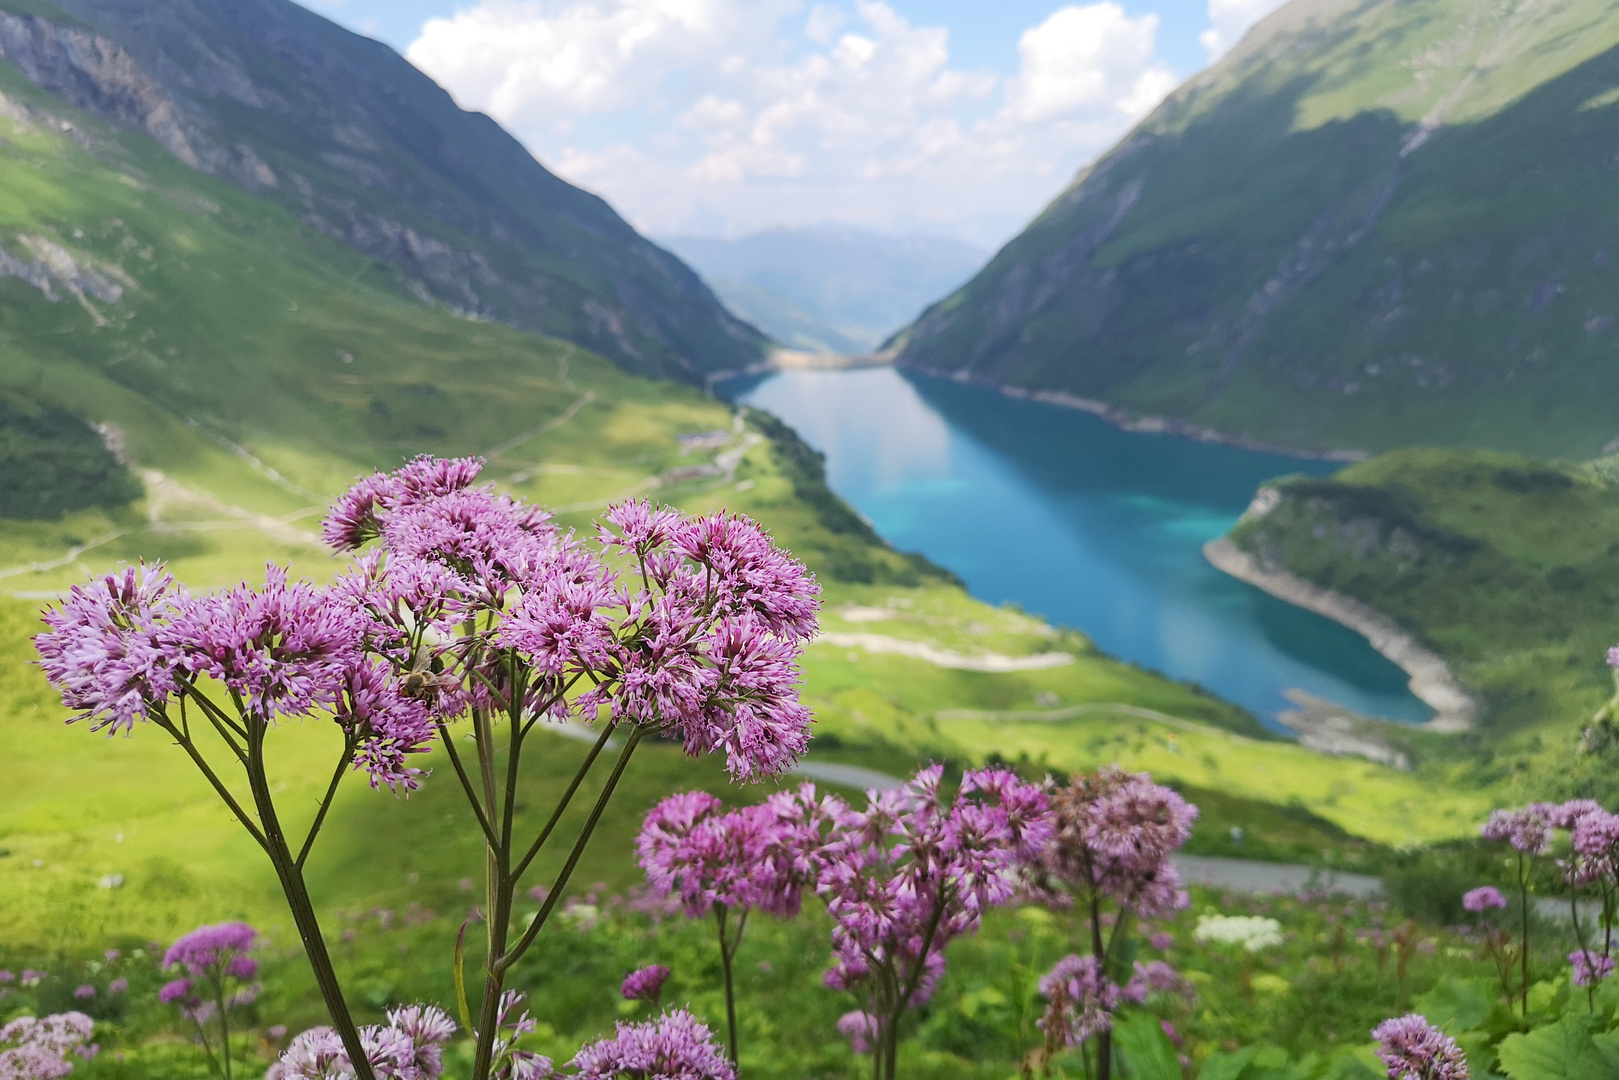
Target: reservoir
(1087, 525)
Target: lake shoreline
(1455, 708)
(1149, 425)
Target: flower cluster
(700, 634)
(645, 984)
(1113, 835)
(1483, 899)
(212, 956)
(1251, 933)
(124, 648)
(1591, 861)
(908, 873)
(39, 1049)
(410, 1046)
(691, 847)
(1082, 998)
(675, 1046)
(1414, 1049)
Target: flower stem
(727, 952)
(303, 911)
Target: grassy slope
(1455, 294)
(1507, 566)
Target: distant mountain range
(354, 141)
(829, 289)
(1375, 223)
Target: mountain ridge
(355, 141)
(1364, 228)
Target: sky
(955, 118)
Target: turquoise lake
(1085, 524)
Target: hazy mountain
(829, 289)
(346, 134)
(1376, 222)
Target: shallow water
(1087, 525)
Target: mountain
(1505, 566)
(1374, 223)
(355, 142)
(858, 286)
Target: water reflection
(1078, 521)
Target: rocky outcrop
(97, 75)
(1455, 709)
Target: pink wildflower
(409, 1047)
(38, 1049)
(645, 984)
(1414, 1049)
(1528, 830)
(1483, 898)
(1082, 1000)
(860, 1029)
(1589, 968)
(85, 992)
(675, 1046)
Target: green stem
(326, 802)
(516, 952)
(303, 911)
(567, 797)
(224, 1019)
(727, 952)
(1523, 891)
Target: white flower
(111, 881)
(1253, 932)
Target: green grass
(1507, 566)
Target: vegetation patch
(53, 463)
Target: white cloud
(735, 115)
(1088, 58)
(1229, 20)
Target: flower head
(409, 1047)
(675, 1046)
(106, 650)
(1483, 898)
(38, 1049)
(645, 984)
(1589, 968)
(1414, 1049)
(209, 947)
(1529, 830)
(1114, 832)
(860, 1028)
(1082, 1000)
(1254, 933)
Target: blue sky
(957, 118)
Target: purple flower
(118, 986)
(1161, 941)
(1529, 830)
(645, 984)
(1114, 833)
(1082, 1000)
(860, 1029)
(208, 947)
(30, 977)
(675, 1045)
(106, 650)
(85, 992)
(111, 956)
(908, 874)
(1483, 898)
(409, 1047)
(33, 1049)
(276, 1032)
(177, 991)
(1414, 1049)
(7, 976)
(1590, 968)
(690, 847)
(1595, 836)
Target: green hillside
(1506, 566)
(1375, 223)
(358, 144)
